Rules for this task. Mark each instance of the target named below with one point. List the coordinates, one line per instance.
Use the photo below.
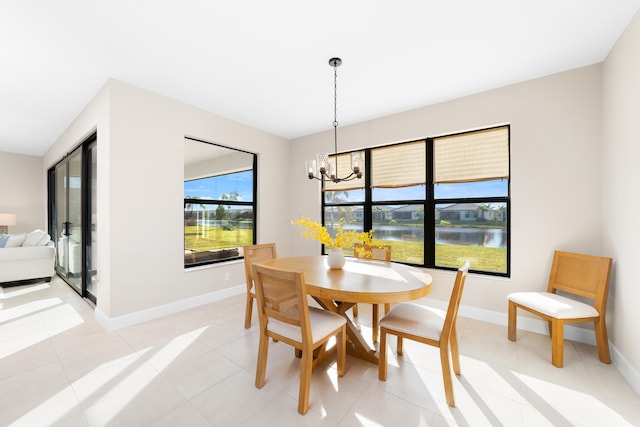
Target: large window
(219, 202)
(437, 201)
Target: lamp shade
(7, 219)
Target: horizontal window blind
(472, 156)
(399, 165)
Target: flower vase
(335, 259)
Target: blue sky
(242, 182)
(495, 188)
(214, 187)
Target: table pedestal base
(356, 344)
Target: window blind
(399, 165)
(472, 156)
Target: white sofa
(26, 256)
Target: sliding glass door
(72, 198)
(68, 226)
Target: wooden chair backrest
(454, 301)
(583, 275)
(372, 252)
(281, 295)
(257, 253)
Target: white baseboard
(626, 369)
(113, 323)
(540, 326)
(524, 323)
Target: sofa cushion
(45, 240)
(3, 240)
(36, 238)
(15, 240)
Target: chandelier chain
(335, 95)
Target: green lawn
(210, 237)
(481, 258)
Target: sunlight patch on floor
(23, 310)
(53, 410)
(6, 294)
(166, 355)
(366, 422)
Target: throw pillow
(15, 240)
(34, 238)
(3, 240)
(45, 240)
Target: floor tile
(184, 415)
(379, 408)
(197, 368)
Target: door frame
(85, 212)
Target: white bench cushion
(553, 305)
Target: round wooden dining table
(359, 281)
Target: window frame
(429, 203)
(217, 202)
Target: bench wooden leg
(512, 321)
(557, 342)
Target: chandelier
(322, 168)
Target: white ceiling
(265, 63)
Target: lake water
(490, 238)
(487, 237)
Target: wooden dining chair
(285, 316)
(428, 326)
(383, 253)
(254, 253)
(572, 274)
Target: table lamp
(6, 219)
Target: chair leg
(355, 310)
(375, 322)
(512, 321)
(382, 355)
(557, 342)
(446, 373)
(248, 311)
(602, 340)
(399, 346)
(387, 308)
(455, 357)
(261, 369)
(305, 381)
(341, 348)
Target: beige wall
(140, 196)
(621, 151)
(23, 191)
(556, 168)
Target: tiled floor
(58, 367)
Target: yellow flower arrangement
(342, 239)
